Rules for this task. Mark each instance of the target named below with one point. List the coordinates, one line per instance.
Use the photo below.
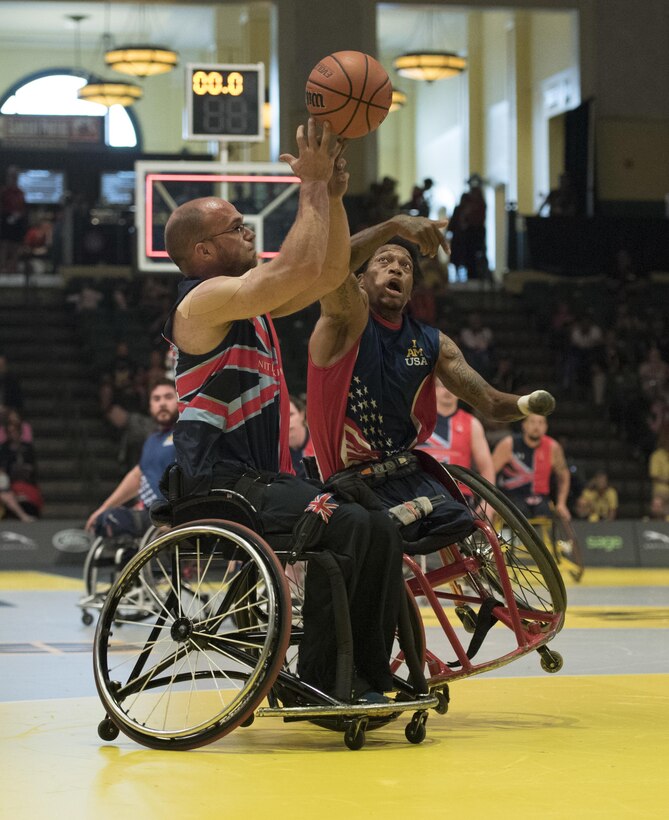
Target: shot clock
(224, 102)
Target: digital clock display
(225, 102)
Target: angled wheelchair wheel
(207, 654)
(536, 583)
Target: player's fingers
(328, 144)
(312, 133)
(301, 138)
(289, 158)
(441, 223)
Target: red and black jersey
(528, 474)
(378, 399)
(233, 400)
(451, 442)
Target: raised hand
(316, 154)
(338, 184)
(428, 234)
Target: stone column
(307, 32)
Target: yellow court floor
(588, 742)
(554, 747)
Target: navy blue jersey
(157, 455)
(233, 402)
(378, 399)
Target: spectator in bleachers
(468, 232)
(560, 201)
(11, 395)
(585, 342)
(13, 416)
(18, 468)
(476, 343)
(507, 378)
(653, 374)
(119, 386)
(598, 501)
(658, 472)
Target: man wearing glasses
(234, 406)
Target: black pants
(368, 551)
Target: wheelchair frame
(96, 592)
(242, 622)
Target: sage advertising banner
(653, 543)
(607, 543)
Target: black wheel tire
(551, 661)
(415, 731)
(249, 721)
(442, 704)
(86, 618)
(354, 737)
(107, 730)
(262, 673)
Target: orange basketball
(351, 90)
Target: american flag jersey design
(378, 399)
(322, 505)
(233, 401)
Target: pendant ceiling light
(105, 92)
(429, 61)
(141, 60)
(429, 65)
(109, 92)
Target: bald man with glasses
(234, 411)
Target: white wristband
(523, 405)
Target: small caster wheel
(354, 736)
(551, 661)
(415, 731)
(107, 730)
(442, 703)
(467, 617)
(248, 721)
(87, 618)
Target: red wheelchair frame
(491, 572)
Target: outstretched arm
(127, 489)
(428, 234)
(471, 387)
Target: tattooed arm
(344, 314)
(468, 385)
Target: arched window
(55, 92)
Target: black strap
(485, 621)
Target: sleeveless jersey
(528, 473)
(233, 401)
(378, 399)
(451, 441)
(157, 455)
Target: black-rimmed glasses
(238, 229)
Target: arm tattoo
(456, 374)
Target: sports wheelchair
(105, 559)
(225, 625)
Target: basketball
(351, 90)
